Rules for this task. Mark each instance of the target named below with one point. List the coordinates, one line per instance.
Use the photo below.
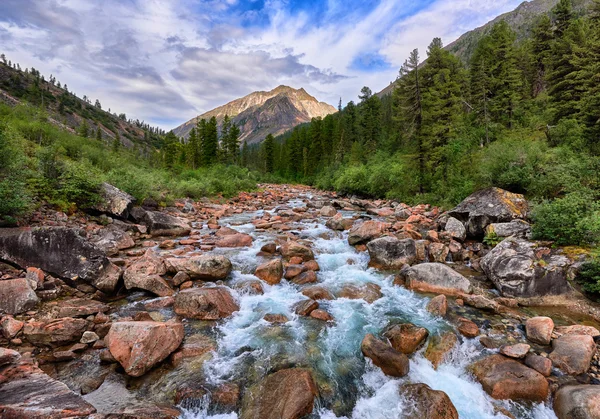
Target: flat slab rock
(27, 392)
(436, 278)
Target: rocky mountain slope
(68, 111)
(262, 113)
(521, 20)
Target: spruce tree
(563, 17)
(541, 47)
(210, 141)
(116, 145)
(194, 149)
(98, 134)
(269, 153)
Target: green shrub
(572, 220)
(589, 276)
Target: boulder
(487, 206)
(317, 293)
(392, 253)
(577, 402)
(516, 228)
(305, 307)
(517, 351)
(292, 271)
(539, 330)
(61, 251)
(438, 306)
(10, 326)
(369, 292)
(286, 394)
(577, 329)
(17, 296)
(138, 346)
(539, 363)
(79, 307)
(504, 378)
(113, 240)
(113, 202)
(308, 277)
(456, 229)
(517, 271)
(572, 354)
(439, 347)
(365, 232)
(467, 328)
(235, 240)
(27, 392)
(250, 287)
(436, 278)
(327, 211)
(208, 303)
(145, 273)
(406, 337)
(321, 315)
(424, 402)
(55, 332)
(292, 249)
(8, 356)
(391, 361)
(271, 272)
(438, 252)
(339, 223)
(205, 267)
(161, 224)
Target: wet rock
(517, 351)
(161, 224)
(369, 292)
(339, 223)
(235, 240)
(205, 267)
(365, 232)
(539, 363)
(438, 305)
(271, 272)
(391, 253)
(60, 251)
(54, 332)
(328, 211)
(286, 394)
(27, 392)
(292, 249)
(424, 402)
(317, 293)
(276, 318)
(517, 271)
(321, 315)
(492, 205)
(8, 356)
(138, 346)
(308, 277)
(539, 330)
(113, 202)
(312, 265)
(79, 307)
(250, 287)
(572, 354)
(305, 307)
(17, 296)
(504, 378)
(436, 278)
(293, 271)
(391, 361)
(456, 229)
(406, 338)
(481, 302)
(194, 346)
(467, 328)
(577, 402)
(270, 248)
(516, 228)
(209, 303)
(10, 326)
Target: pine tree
(563, 17)
(269, 153)
(590, 107)
(210, 141)
(170, 149)
(370, 115)
(244, 156)
(98, 134)
(194, 150)
(116, 145)
(84, 129)
(233, 143)
(541, 47)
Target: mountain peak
(257, 114)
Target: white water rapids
(248, 346)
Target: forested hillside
(524, 116)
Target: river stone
(438, 305)
(424, 402)
(539, 330)
(308, 277)
(328, 211)
(208, 303)
(271, 272)
(286, 394)
(60, 251)
(572, 354)
(27, 392)
(456, 229)
(517, 271)
(492, 205)
(516, 351)
(235, 240)
(467, 328)
(79, 307)
(439, 347)
(305, 307)
(113, 240)
(293, 249)
(504, 378)
(406, 338)
(8, 356)
(365, 232)
(516, 228)
(54, 332)
(369, 292)
(17, 296)
(391, 361)
(161, 224)
(577, 329)
(145, 273)
(339, 223)
(317, 293)
(10, 326)
(391, 253)
(436, 278)
(113, 202)
(539, 363)
(577, 402)
(205, 267)
(138, 346)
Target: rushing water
(350, 386)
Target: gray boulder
(61, 251)
(113, 202)
(456, 229)
(516, 228)
(17, 296)
(517, 271)
(392, 253)
(436, 278)
(577, 402)
(161, 224)
(492, 205)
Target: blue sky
(165, 61)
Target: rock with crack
(113, 202)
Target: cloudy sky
(166, 61)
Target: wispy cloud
(165, 61)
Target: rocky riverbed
(291, 302)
